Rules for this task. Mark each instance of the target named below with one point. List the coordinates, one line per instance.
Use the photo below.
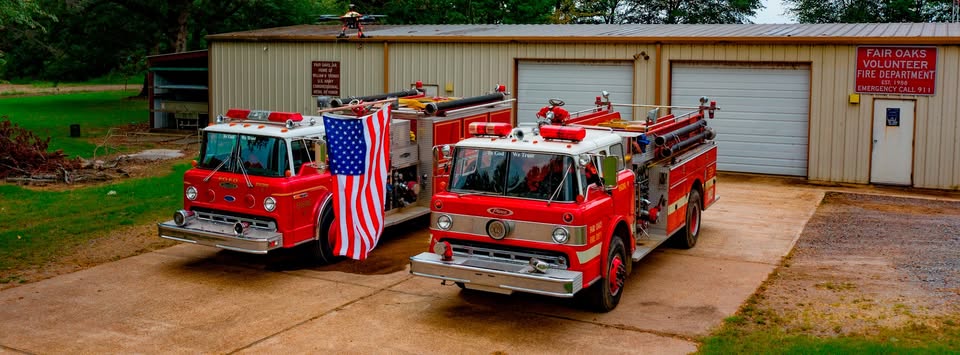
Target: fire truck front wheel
(687, 236)
(604, 295)
(322, 249)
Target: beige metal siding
(474, 68)
(276, 76)
(937, 153)
(840, 132)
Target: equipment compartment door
(892, 160)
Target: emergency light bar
(575, 134)
(499, 129)
(286, 118)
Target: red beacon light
(283, 117)
(569, 133)
(287, 118)
(499, 129)
(237, 114)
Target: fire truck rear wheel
(604, 295)
(322, 248)
(687, 237)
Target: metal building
(855, 103)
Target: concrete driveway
(192, 299)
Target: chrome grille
(228, 219)
(513, 256)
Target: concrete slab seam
(293, 273)
(4, 347)
(622, 327)
(677, 253)
(335, 309)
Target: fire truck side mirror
(441, 152)
(609, 169)
(320, 147)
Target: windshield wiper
(559, 186)
(243, 170)
(222, 163)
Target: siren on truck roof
(286, 118)
(498, 129)
(569, 133)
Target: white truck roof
(595, 138)
(271, 129)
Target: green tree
(95, 37)
(870, 11)
(655, 11)
(459, 11)
(18, 18)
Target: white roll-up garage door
(763, 123)
(576, 83)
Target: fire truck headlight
(191, 193)
(269, 204)
(444, 222)
(560, 235)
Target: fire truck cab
(563, 208)
(261, 181)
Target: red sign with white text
(896, 70)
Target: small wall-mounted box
(854, 98)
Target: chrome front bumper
(221, 235)
(488, 275)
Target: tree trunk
(181, 42)
(143, 89)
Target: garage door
(762, 125)
(576, 83)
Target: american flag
(358, 151)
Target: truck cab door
(442, 158)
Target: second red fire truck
(564, 208)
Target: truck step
(400, 215)
(647, 244)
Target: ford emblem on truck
(499, 211)
(229, 198)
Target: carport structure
(857, 103)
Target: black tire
(604, 295)
(687, 237)
(322, 249)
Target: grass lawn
(95, 112)
(39, 225)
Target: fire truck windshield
(241, 153)
(515, 174)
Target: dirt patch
(866, 263)
(13, 90)
(112, 246)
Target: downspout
(657, 77)
(386, 66)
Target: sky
(773, 13)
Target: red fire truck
(561, 208)
(262, 183)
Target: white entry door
(892, 161)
